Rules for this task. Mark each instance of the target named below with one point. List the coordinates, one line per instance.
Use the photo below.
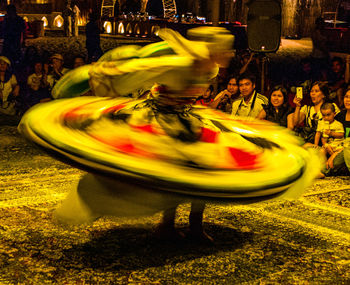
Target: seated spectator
(38, 87)
(9, 88)
(250, 102)
(278, 110)
(223, 101)
(206, 98)
(57, 69)
(306, 87)
(78, 61)
(336, 80)
(347, 71)
(307, 117)
(329, 130)
(305, 75)
(336, 162)
(25, 67)
(305, 72)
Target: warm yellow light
(128, 29)
(58, 21)
(121, 29)
(45, 21)
(137, 29)
(108, 27)
(25, 18)
(80, 21)
(155, 30)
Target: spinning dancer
(152, 154)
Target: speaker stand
(263, 71)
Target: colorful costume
(163, 145)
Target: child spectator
(329, 130)
(336, 163)
(206, 98)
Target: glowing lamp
(137, 29)
(121, 29)
(45, 21)
(107, 26)
(128, 30)
(155, 30)
(58, 21)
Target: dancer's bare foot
(320, 176)
(166, 229)
(200, 236)
(197, 233)
(168, 233)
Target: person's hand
(347, 59)
(327, 132)
(329, 149)
(223, 93)
(46, 69)
(297, 101)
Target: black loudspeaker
(264, 25)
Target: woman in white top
(310, 115)
(9, 89)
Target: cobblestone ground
(301, 242)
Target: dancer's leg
(196, 223)
(166, 229)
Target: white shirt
(34, 81)
(241, 108)
(335, 126)
(7, 87)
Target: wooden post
(216, 12)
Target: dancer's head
(218, 40)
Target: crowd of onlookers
(314, 103)
(27, 76)
(319, 112)
(31, 80)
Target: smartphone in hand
(299, 92)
